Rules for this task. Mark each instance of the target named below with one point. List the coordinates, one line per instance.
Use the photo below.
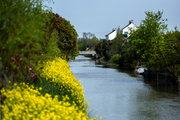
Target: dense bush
(165, 54)
(108, 48)
(23, 39)
(102, 49)
(117, 43)
(115, 58)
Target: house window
(126, 33)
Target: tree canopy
(67, 36)
(143, 38)
(88, 41)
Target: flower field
(25, 102)
(58, 73)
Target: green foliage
(165, 53)
(114, 50)
(47, 87)
(153, 48)
(107, 49)
(117, 43)
(51, 47)
(67, 36)
(115, 58)
(129, 57)
(23, 38)
(88, 41)
(102, 49)
(153, 26)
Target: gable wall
(128, 28)
(112, 35)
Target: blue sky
(101, 16)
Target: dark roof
(128, 24)
(111, 32)
(131, 21)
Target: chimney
(131, 21)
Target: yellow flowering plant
(57, 71)
(64, 98)
(26, 103)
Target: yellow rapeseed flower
(58, 72)
(26, 103)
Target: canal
(114, 94)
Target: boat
(141, 70)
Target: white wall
(112, 35)
(128, 29)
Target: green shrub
(115, 58)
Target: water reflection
(118, 95)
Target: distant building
(112, 35)
(125, 31)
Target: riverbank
(57, 94)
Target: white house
(112, 35)
(125, 31)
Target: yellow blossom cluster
(58, 72)
(26, 103)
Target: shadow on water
(158, 82)
(119, 69)
(163, 84)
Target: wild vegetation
(151, 45)
(87, 42)
(35, 78)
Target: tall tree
(143, 38)
(87, 41)
(165, 54)
(67, 36)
